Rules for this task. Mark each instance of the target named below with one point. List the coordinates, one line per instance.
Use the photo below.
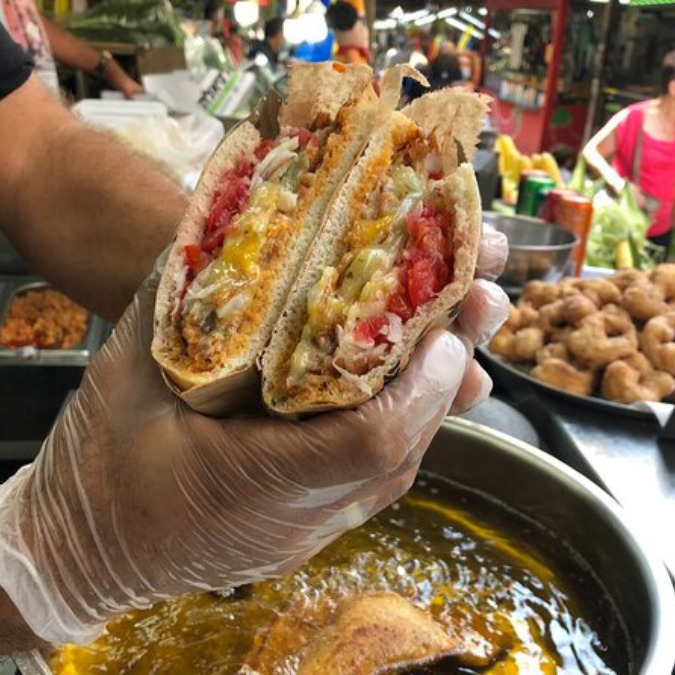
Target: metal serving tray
(79, 355)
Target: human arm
(135, 498)
(15, 635)
(84, 212)
(73, 52)
(601, 148)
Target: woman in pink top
(640, 143)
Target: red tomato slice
(428, 211)
(421, 282)
(192, 255)
(444, 221)
(371, 329)
(425, 266)
(399, 304)
(304, 136)
(213, 240)
(432, 241)
(262, 151)
(412, 223)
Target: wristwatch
(104, 61)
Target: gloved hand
(134, 497)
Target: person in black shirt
(272, 44)
(134, 497)
(15, 65)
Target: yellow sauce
(459, 556)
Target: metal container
(537, 250)
(79, 355)
(576, 510)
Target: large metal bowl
(580, 514)
(577, 511)
(537, 249)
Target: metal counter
(34, 382)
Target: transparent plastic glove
(135, 498)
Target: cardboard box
(160, 60)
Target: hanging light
(313, 22)
(309, 25)
(246, 13)
(293, 28)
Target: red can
(549, 210)
(575, 214)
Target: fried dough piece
(643, 300)
(376, 633)
(502, 343)
(527, 316)
(624, 278)
(564, 375)
(553, 350)
(367, 634)
(539, 293)
(526, 343)
(576, 307)
(603, 337)
(551, 317)
(635, 379)
(664, 276)
(657, 341)
(600, 291)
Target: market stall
(537, 59)
(510, 553)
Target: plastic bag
(617, 220)
(202, 53)
(182, 145)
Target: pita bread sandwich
(395, 257)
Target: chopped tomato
(421, 282)
(444, 221)
(400, 304)
(425, 266)
(304, 136)
(371, 329)
(228, 201)
(428, 211)
(213, 240)
(192, 254)
(244, 169)
(263, 149)
(195, 259)
(432, 241)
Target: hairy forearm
(86, 213)
(15, 636)
(68, 49)
(111, 211)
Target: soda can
(529, 191)
(549, 211)
(575, 214)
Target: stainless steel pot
(580, 513)
(537, 250)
